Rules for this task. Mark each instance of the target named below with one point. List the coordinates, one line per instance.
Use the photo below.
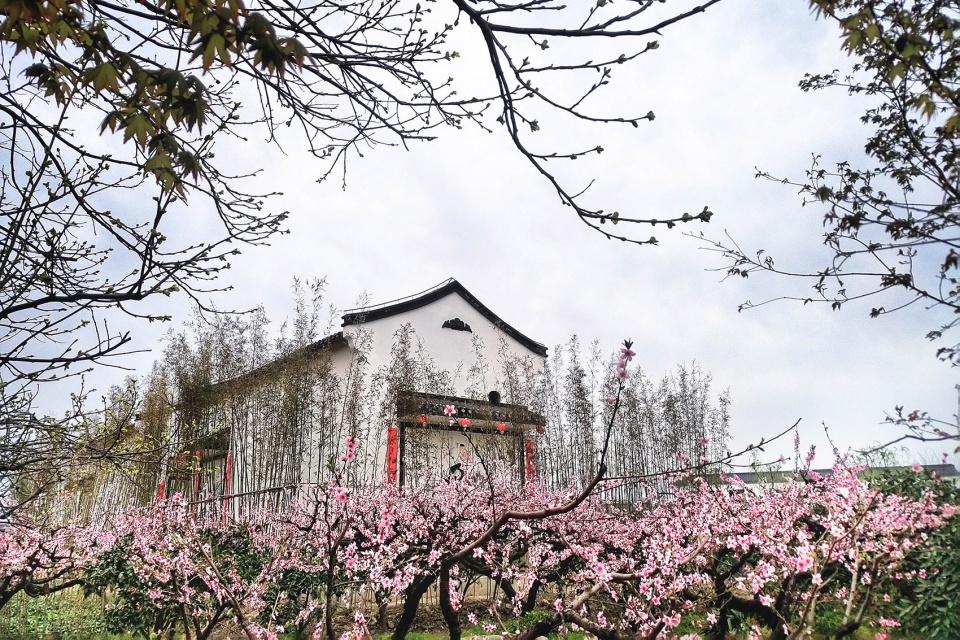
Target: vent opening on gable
(457, 325)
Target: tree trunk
(450, 615)
(411, 602)
(530, 602)
(542, 627)
(382, 603)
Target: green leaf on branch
(139, 128)
(924, 104)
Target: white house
(386, 378)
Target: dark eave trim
(327, 342)
(442, 290)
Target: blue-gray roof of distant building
(757, 477)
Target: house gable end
(451, 286)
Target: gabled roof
(323, 343)
(422, 299)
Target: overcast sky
(724, 89)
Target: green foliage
(928, 605)
(289, 593)
(829, 620)
(143, 605)
(148, 102)
(132, 609)
(688, 624)
(67, 614)
(234, 548)
(513, 625)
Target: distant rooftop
(758, 477)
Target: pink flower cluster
(656, 560)
(351, 453)
(626, 355)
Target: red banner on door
(528, 455)
(393, 447)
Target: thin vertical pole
(196, 488)
(226, 492)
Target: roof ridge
(412, 296)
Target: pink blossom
(916, 467)
(381, 538)
(803, 563)
(449, 410)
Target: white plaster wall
(451, 350)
